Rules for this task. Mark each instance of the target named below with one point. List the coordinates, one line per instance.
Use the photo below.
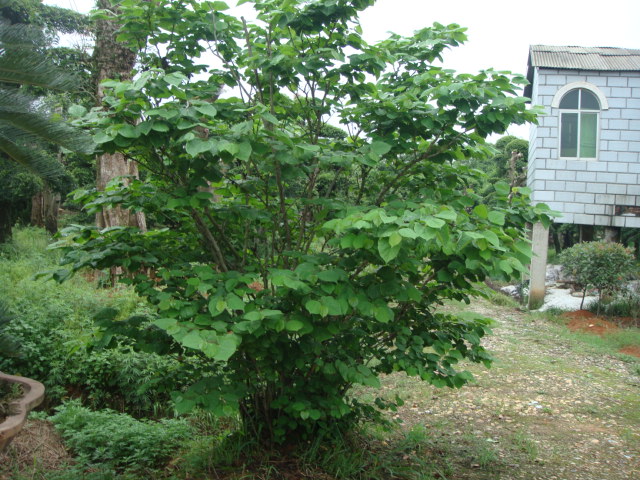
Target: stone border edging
(32, 397)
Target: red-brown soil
(585, 321)
(589, 322)
(631, 350)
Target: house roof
(581, 58)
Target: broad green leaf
(221, 305)
(165, 323)
(380, 148)
(213, 305)
(219, 6)
(77, 110)
(502, 188)
(207, 109)
(481, 211)
(447, 215)
(160, 127)
(227, 346)
(330, 275)
(234, 302)
(102, 137)
(253, 315)
(197, 146)
(313, 307)
(294, 325)
(395, 239)
(492, 238)
(244, 151)
(383, 313)
(128, 131)
(386, 251)
(434, 222)
(192, 340)
(496, 217)
(408, 233)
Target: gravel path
(549, 409)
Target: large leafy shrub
(602, 265)
(294, 260)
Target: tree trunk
(113, 60)
(556, 241)
(45, 206)
(6, 221)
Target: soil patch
(588, 322)
(38, 447)
(631, 350)
(585, 321)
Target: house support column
(612, 234)
(586, 233)
(538, 269)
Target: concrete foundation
(538, 270)
(612, 234)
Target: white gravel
(561, 298)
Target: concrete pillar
(612, 234)
(538, 270)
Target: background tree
(113, 60)
(27, 127)
(286, 292)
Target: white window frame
(604, 105)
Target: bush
(602, 265)
(116, 439)
(625, 304)
(295, 262)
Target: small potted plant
(18, 395)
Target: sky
(499, 31)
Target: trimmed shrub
(604, 266)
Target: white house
(584, 156)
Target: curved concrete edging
(32, 397)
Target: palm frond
(22, 64)
(20, 112)
(31, 157)
(24, 123)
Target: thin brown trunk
(37, 209)
(6, 221)
(113, 60)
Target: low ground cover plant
(59, 340)
(625, 304)
(117, 440)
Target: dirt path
(548, 409)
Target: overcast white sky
(499, 31)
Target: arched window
(579, 115)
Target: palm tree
(24, 123)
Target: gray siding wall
(587, 191)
